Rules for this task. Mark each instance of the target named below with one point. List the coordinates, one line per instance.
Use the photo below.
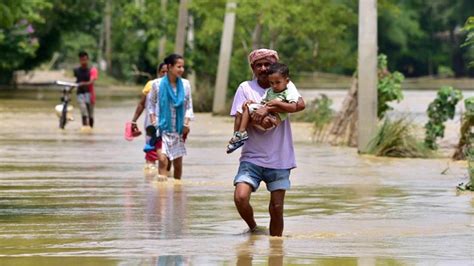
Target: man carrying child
(268, 155)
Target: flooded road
(68, 198)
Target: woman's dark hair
(160, 66)
(172, 59)
(82, 54)
(279, 68)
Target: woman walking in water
(171, 110)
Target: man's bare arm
(300, 105)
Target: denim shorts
(275, 179)
(84, 97)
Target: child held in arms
(278, 95)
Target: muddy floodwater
(70, 198)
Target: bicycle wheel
(63, 118)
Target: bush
(439, 111)
(396, 139)
(445, 72)
(318, 112)
(389, 86)
(203, 97)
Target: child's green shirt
(289, 95)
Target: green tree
(469, 43)
(389, 86)
(309, 35)
(67, 19)
(32, 30)
(421, 36)
(136, 30)
(18, 41)
(439, 111)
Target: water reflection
(276, 253)
(171, 260)
(247, 249)
(166, 209)
(253, 251)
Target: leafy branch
(389, 86)
(439, 111)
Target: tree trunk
(464, 141)
(225, 53)
(457, 59)
(344, 126)
(257, 35)
(100, 52)
(108, 35)
(367, 74)
(162, 41)
(190, 41)
(273, 40)
(181, 29)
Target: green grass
(319, 113)
(397, 139)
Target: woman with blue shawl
(171, 109)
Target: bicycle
(64, 108)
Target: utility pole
(108, 38)
(225, 53)
(181, 29)
(191, 76)
(162, 43)
(367, 74)
(100, 51)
